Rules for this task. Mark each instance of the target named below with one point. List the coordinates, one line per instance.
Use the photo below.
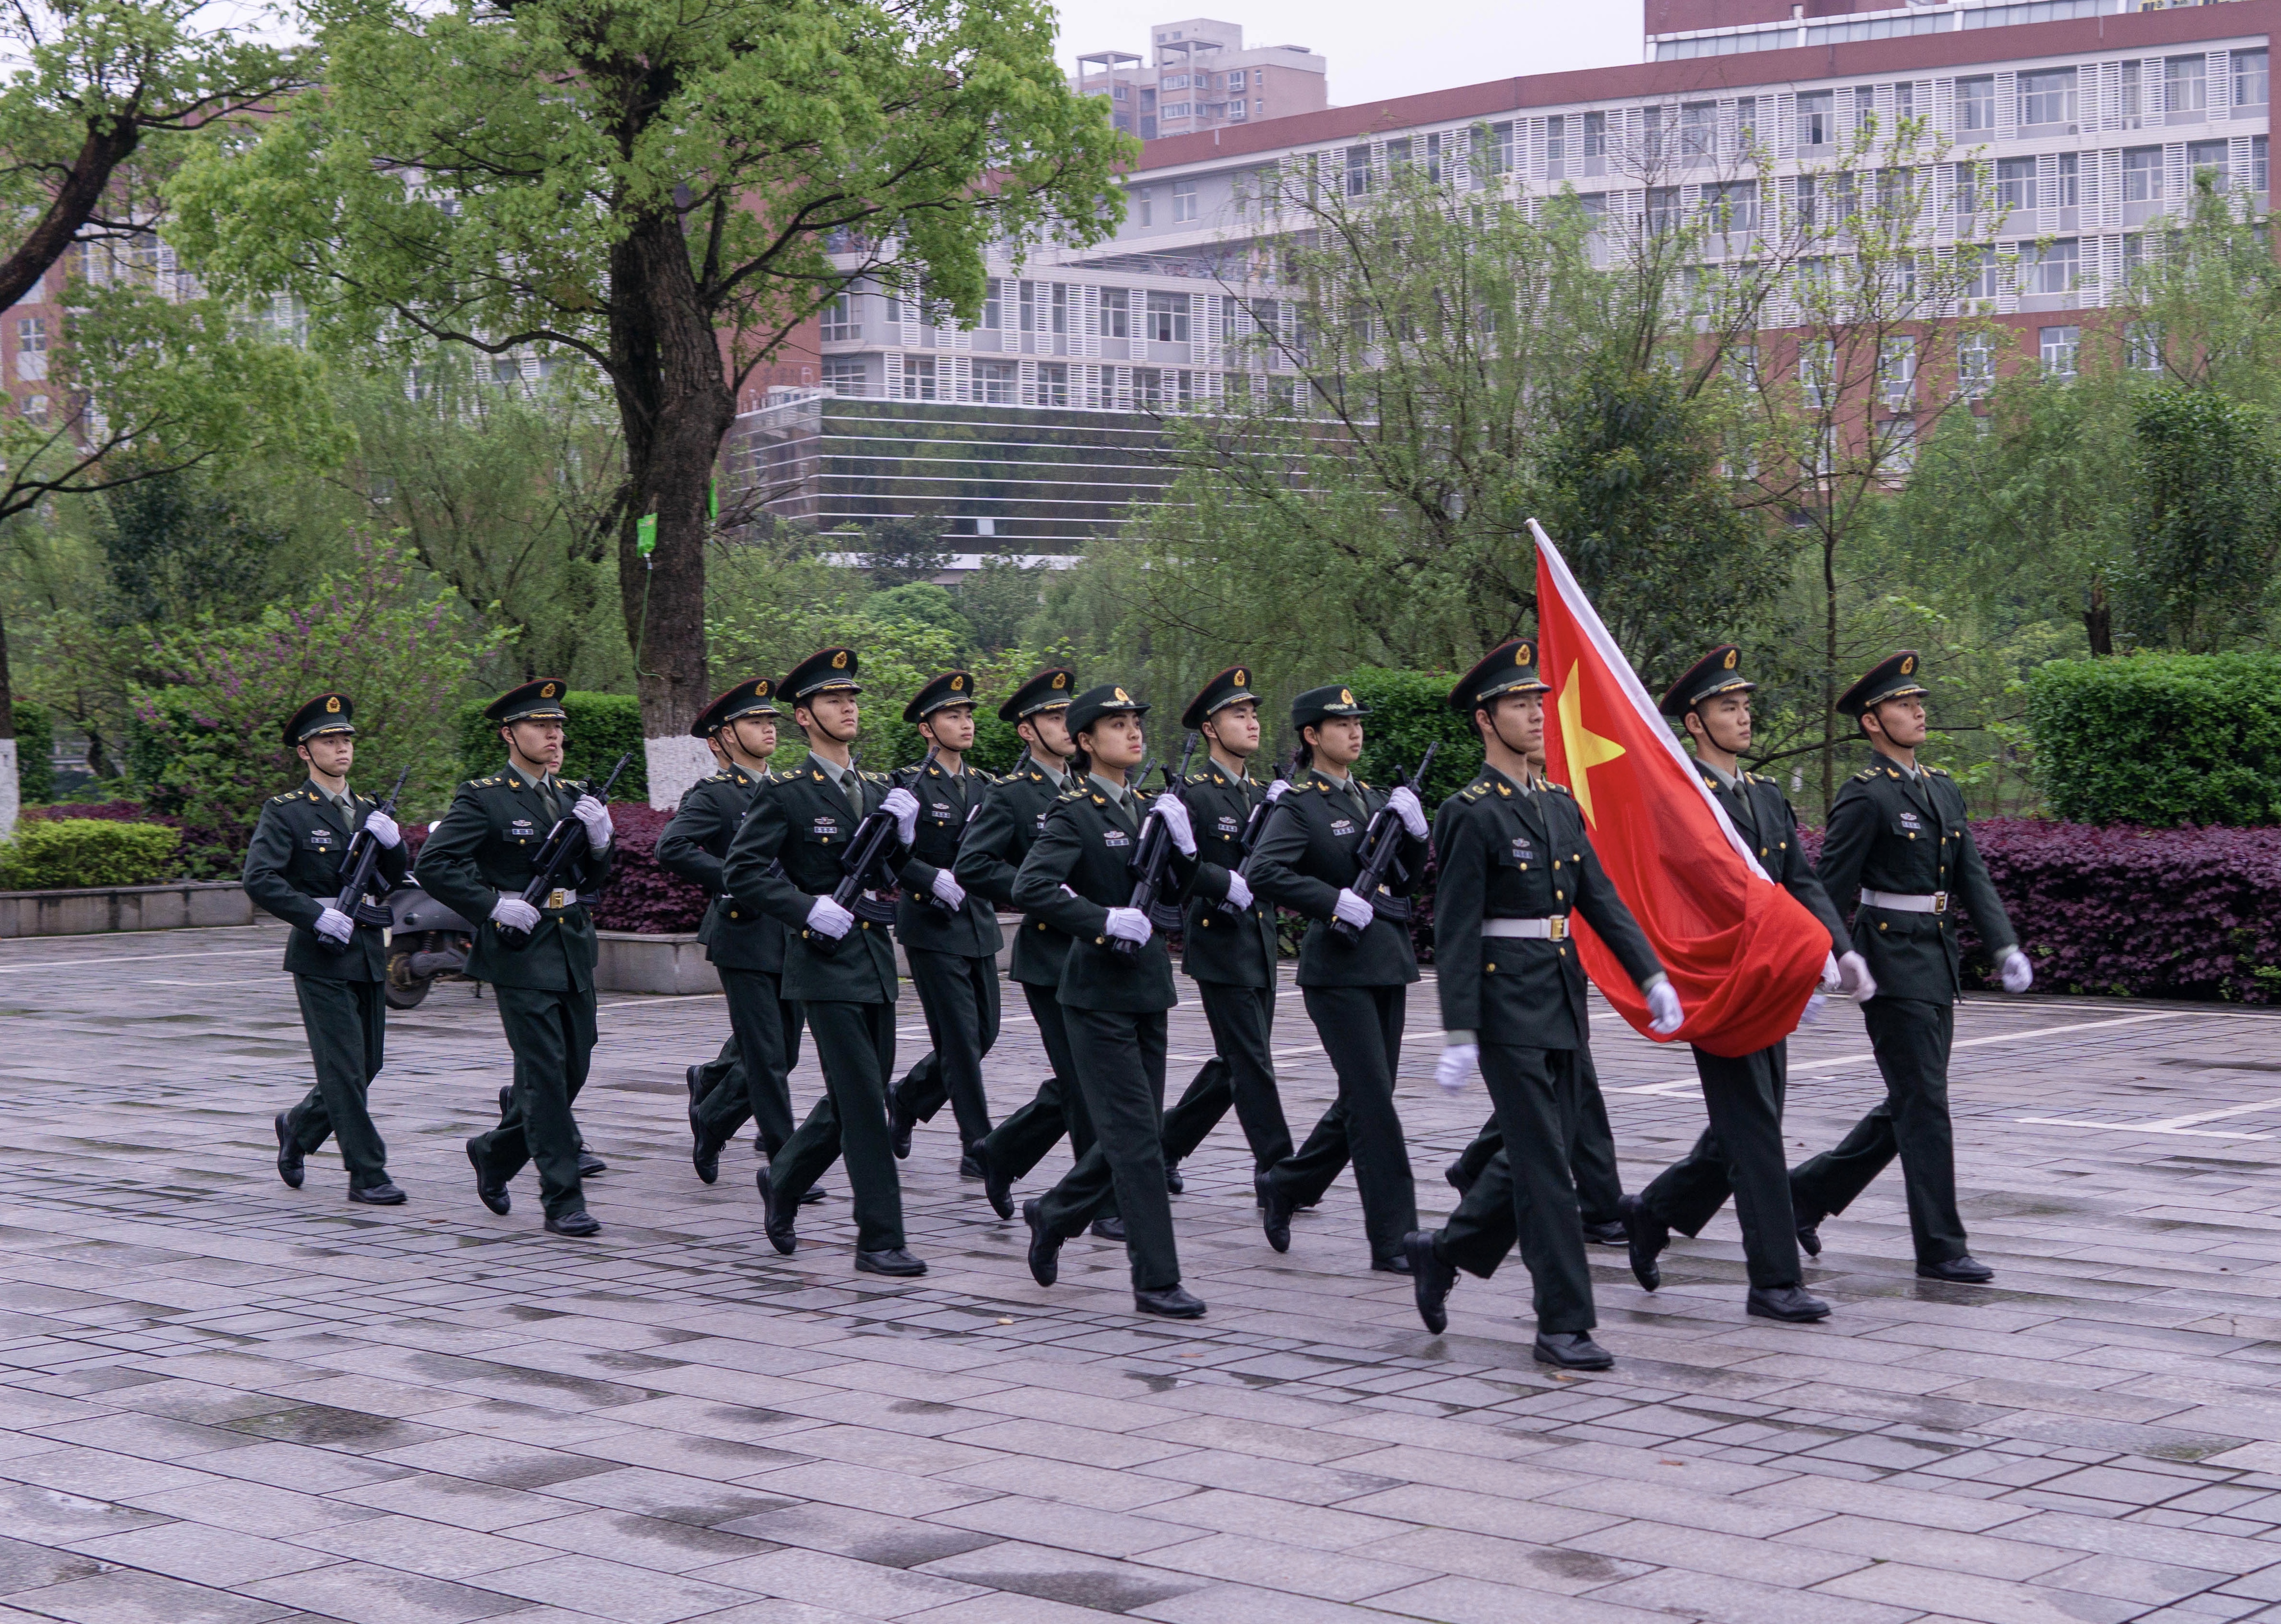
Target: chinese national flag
(1742, 954)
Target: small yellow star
(1584, 748)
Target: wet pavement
(223, 1402)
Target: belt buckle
(1940, 901)
(558, 899)
(1557, 927)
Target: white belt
(1554, 928)
(558, 899)
(1901, 902)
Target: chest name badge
(1520, 845)
(1910, 820)
(321, 837)
(521, 825)
(1342, 826)
(942, 808)
(826, 825)
(1230, 826)
(1115, 837)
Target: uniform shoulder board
(874, 778)
(1075, 794)
(1561, 788)
(1938, 772)
(288, 795)
(494, 778)
(1865, 775)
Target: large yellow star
(1584, 748)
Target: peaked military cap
(1509, 668)
(538, 701)
(752, 697)
(1094, 703)
(1318, 706)
(327, 713)
(1718, 672)
(826, 670)
(1048, 690)
(1230, 687)
(1894, 677)
(950, 688)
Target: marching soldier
(950, 939)
(477, 863)
(1899, 844)
(1741, 1152)
(294, 868)
(1516, 862)
(1079, 875)
(1308, 859)
(785, 858)
(1228, 936)
(1012, 816)
(751, 1078)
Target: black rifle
(357, 865)
(917, 774)
(565, 843)
(1379, 845)
(1254, 827)
(1150, 859)
(868, 850)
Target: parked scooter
(426, 943)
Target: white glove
(903, 807)
(1173, 812)
(1405, 802)
(514, 912)
(596, 817)
(2018, 974)
(1813, 1009)
(952, 893)
(1239, 889)
(1128, 924)
(1455, 1065)
(383, 829)
(1854, 979)
(333, 926)
(1275, 790)
(826, 917)
(1830, 976)
(1353, 910)
(1664, 1015)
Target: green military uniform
(953, 953)
(294, 868)
(1080, 868)
(1591, 1162)
(785, 856)
(1012, 816)
(751, 1078)
(1230, 953)
(1900, 851)
(1740, 1152)
(484, 850)
(1356, 993)
(1516, 861)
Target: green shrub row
(2160, 739)
(71, 853)
(35, 754)
(602, 727)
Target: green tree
(2205, 520)
(176, 549)
(902, 551)
(667, 191)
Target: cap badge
(546, 691)
(957, 683)
(1061, 680)
(333, 704)
(1240, 679)
(839, 660)
(1908, 664)
(1729, 661)
(1345, 697)
(1123, 698)
(760, 689)
(1520, 655)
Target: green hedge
(75, 853)
(1409, 711)
(888, 741)
(600, 726)
(2160, 738)
(35, 754)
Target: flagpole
(1580, 607)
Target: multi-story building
(2090, 119)
(1198, 76)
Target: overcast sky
(1379, 49)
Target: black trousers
(552, 1034)
(1911, 1037)
(1591, 1145)
(1241, 1073)
(960, 998)
(855, 1046)
(1020, 1143)
(1120, 1066)
(752, 1078)
(347, 1024)
(1739, 1154)
(1361, 1030)
(1527, 1192)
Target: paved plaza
(222, 1402)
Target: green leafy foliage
(1409, 711)
(2160, 738)
(72, 853)
(35, 754)
(2207, 520)
(602, 727)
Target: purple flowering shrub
(641, 896)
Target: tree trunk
(675, 403)
(11, 787)
(2098, 619)
(1828, 673)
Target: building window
(1817, 117)
(2047, 97)
(1357, 171)
(1975, 104)
(2057, 345)
(1116, 314)
(1492, 150)
(1897, 374)
(2208, 158)
(993, 304)
(1864, 112)
(1975, 366)
(918, 377)
(2133, 109)
(1053, 384)
(1556, 143)
(2249, 78)
(2185, 84)
(1144, 204)
(1662, 208)
(1168, 318)
(1397, 155)
(2057, 264)
(2142, 175)
(32, 348)
(1147, 388)
(1979, 267)
(1596, 135)
(1698, 129)
(1905, 100)
(1746, 124)
(1184, 200)
(1734, 205)
(843, 375)
(1897, 447)
(2257, 163)
(2068, 186)
(1816, 362)
(35, 409)
(1175, 110)
(994, 382)
(839, 322)
(2015, 184)
(2142, 346)
(1061, 308)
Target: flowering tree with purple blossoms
(399, 644)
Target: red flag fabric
(1742, 954)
